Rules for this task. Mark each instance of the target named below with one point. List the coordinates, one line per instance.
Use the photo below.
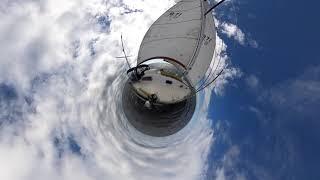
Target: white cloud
(227, 169)
(220, 174)
(299, 95)
(254, 43)
(232, 30)
(252, 81)
(282, 108)
(230, 27)
(57, 54)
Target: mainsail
(183, 35)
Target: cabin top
(162, 83)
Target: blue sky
(269, 117)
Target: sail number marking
(206, 39)
(174, 15)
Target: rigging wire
(214, 6)
(205, 84)
(207, 81)
(211, 71)
(211, 82)
(219, 74)
(124, 52)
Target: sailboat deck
(168, 89)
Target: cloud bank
(60, 88)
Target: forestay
(184, 35)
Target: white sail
(206, 51)
(184, 35)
